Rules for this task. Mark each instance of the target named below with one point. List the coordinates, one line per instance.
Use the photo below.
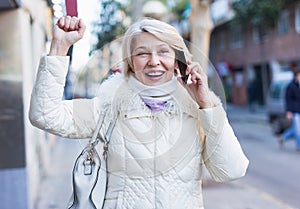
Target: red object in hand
(71, 7)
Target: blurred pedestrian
(292, 102)
(166, 130)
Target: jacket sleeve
(222, 153)
(48, 111)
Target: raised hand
(67, 31)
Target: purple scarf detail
(155, 105)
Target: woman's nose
(154, 59)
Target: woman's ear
(130, 67)
(176, 68)
(176, 63)
(131, 70)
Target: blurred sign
(71, 7)
(223, 68)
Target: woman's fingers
(81, 27)
(67, 23)
(61, 22)
(197, 75)
(70, 23)
(73, 24)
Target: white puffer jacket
(155, 159)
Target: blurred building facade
(246, 60)
(25, 27)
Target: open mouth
(155, 74)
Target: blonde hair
(160, 30)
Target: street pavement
(235, 194)
(55, 189)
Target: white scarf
(155, 97)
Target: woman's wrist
(205, 105)
(205, 101)
(58, 48)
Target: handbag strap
(95, 140)
(98, 127)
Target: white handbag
(89, 172)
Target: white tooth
(155, 73)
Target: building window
(297, 18)
(283, 23)
(236, 38)
(259, 36)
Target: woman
(166, 130)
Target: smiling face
(153, 60)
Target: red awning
(71, 7)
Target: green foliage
(258, 13)
(179, 8)
(110, 25)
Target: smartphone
(181, 61)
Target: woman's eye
(142, 54)
(163, 51)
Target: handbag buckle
(88, 164)
(87, 167)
